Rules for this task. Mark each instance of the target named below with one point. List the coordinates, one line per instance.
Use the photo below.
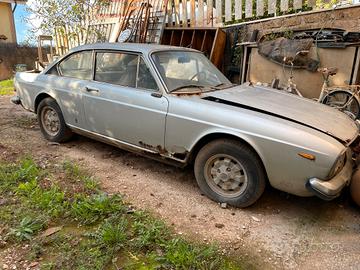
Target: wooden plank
(271, 6)
(298, 4)
(184, 12)
(228, 12)
(200, 17)
(238, 9)
(248, 8)
(209, 12)
(217, 51)
(192, 13)
(218, 6)
(284, 5)
(259, 7)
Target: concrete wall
(7, 25)
(19, 55)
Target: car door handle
(89, 89)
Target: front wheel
(231, 172)
(51, 121)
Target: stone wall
(344, 18)
(12, 54)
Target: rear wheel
(343, 100)
(51, 121)
(231, 172)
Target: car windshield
(190, 71)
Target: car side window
(77, 65)
(116, 68)
(144, 78)
(124, 69)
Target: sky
(20, 25)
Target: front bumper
(330, 189)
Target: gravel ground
(281, 231)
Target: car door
(67, 80)
(124, 102)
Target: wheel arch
(222, 135)
(39, 98)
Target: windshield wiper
(228, 85)
(187, 86)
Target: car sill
(128, 146)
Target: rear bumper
(16, 100)
(330, 189)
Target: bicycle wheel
(344, 101)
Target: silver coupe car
(172, 104)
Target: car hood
(290, 107)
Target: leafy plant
(26, 228)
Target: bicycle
(344, 98)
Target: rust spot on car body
(178, 152)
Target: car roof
(133, 47)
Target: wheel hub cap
(226, 175)
(50, 120)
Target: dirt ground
(280, 231)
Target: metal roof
(133, 47)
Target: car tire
(228, 171)
(51, 121)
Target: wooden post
(228, 11)
(200, 17)
(297, 4)
(284, 5)
(271, 6)
(192, 13)
(209, 6)
(311, 3)
(218, 7)
(238, 9)
(259, 7)
(184, 12)
(248, 8)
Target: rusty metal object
(355, 187)
(282, 48)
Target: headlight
(338, 165)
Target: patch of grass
(90, 209)
(74, 173)
(148, 232)
(112, 232)
(6, 87)
(98, 230)
(13, 174)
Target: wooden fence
(217, 12)
(181, 13)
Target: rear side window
(77, 65)
(123, 69)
